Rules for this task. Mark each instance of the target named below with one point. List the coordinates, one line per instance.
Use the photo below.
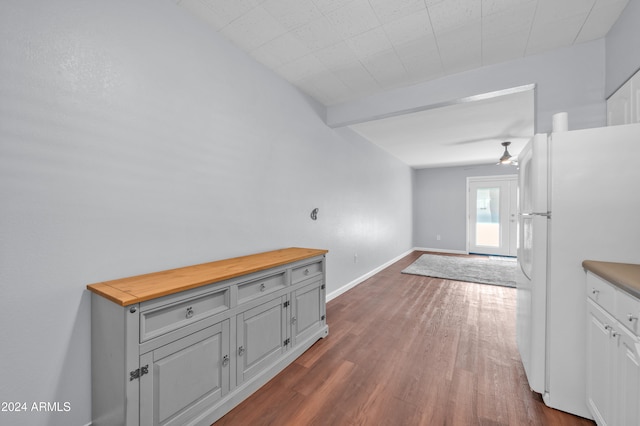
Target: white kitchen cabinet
(600, 364)
(635, 98)
(623, 106)
(619, 106)
(613, 359)
(183, 347)
(628, 363)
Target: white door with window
(492, 221)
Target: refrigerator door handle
(524, 272)
(545, 214)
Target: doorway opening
(491, 215)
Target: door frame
(473, 179)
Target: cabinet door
(599, 364)
(628, 383)
(308, 311)
(619, 106)
(185, 377)
(635, 98)
(262, 337)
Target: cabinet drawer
(257, 288)
(156, 322)
(627, 311)
(306, 271)
(600, 292)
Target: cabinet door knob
(293, 320)
(262, 287)
(225, 360)
(631, 317)
(189, 312)
(594, 291)
(240, 350)
(615, 334)
(607, 327)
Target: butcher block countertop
(625, 276)
(128, 291)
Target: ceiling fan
(507, 159)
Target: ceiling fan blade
(470, 141)
(517, 129)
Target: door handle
(547, 214)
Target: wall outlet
(355, 258)
(438, 237)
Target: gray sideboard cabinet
(185, 346)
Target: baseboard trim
(440, 250)
(369, 274)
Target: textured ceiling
(342, 50)
(339, 50)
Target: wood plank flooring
(407, 350)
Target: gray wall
(440, 204)
(569, 79)
(623, 48)
(133, 139)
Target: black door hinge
(322, 286)
(322, 317)
(286, 304)
(286, 342)
(138, 372)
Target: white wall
(623, 45)
(569, 79)
(133, 139)
(440, 204)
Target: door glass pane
(488, 217)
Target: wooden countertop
(128, 291)
(625, 276)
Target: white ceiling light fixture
(506, 158)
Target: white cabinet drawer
(260, 287)
(601, 292)
(627, 311)
(158, 321)
(301, 273)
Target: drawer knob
(594, 291)
(189, 312)
(240, 350)
(225, 360)
(306, 271)
(262, 287)
(607, 327)
(631, 318)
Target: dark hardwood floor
(407, 350)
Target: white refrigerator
(578, 198)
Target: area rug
(483, 270)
